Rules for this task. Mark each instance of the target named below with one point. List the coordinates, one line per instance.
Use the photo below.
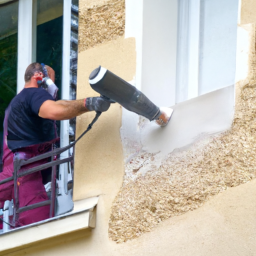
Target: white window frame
(27, 51)
(27, 27)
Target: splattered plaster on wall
(184, 180)
(101, 23)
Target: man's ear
(37, 77)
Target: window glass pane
(8, 57)
(49, 37)
(49, 46)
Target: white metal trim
(188, 50)
(24, 40)
(64, 131)
(182, 52)
(134, 28)
(34, 30)
(193, 51)
(64, 128)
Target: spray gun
(115, 89)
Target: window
(8, 59)
(48, 33)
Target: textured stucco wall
(101, 23)
(99, 156)
(248, 10)
(217, 228)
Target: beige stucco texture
(90, 3)
(248, 9)
(99, 166)
(224, 226)
(99, 156)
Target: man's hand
(97, 104)
(51, 73)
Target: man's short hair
(31, 70)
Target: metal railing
(18, 163)
(18, 173)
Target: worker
(30, 130)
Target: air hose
(58, 151)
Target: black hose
(7, 223)
(88, 128)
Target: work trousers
(31, 188)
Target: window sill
(81, 217)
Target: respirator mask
(47, 83)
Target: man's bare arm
(62, 109)
(67, 109)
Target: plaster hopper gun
(115, 89)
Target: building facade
(193, 56)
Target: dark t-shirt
(25, 127)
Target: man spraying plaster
(29, 130)
(29, 127)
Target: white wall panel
(218, 37)
(188, 50)
(206, 62)
(134, 28)
(159, 47)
